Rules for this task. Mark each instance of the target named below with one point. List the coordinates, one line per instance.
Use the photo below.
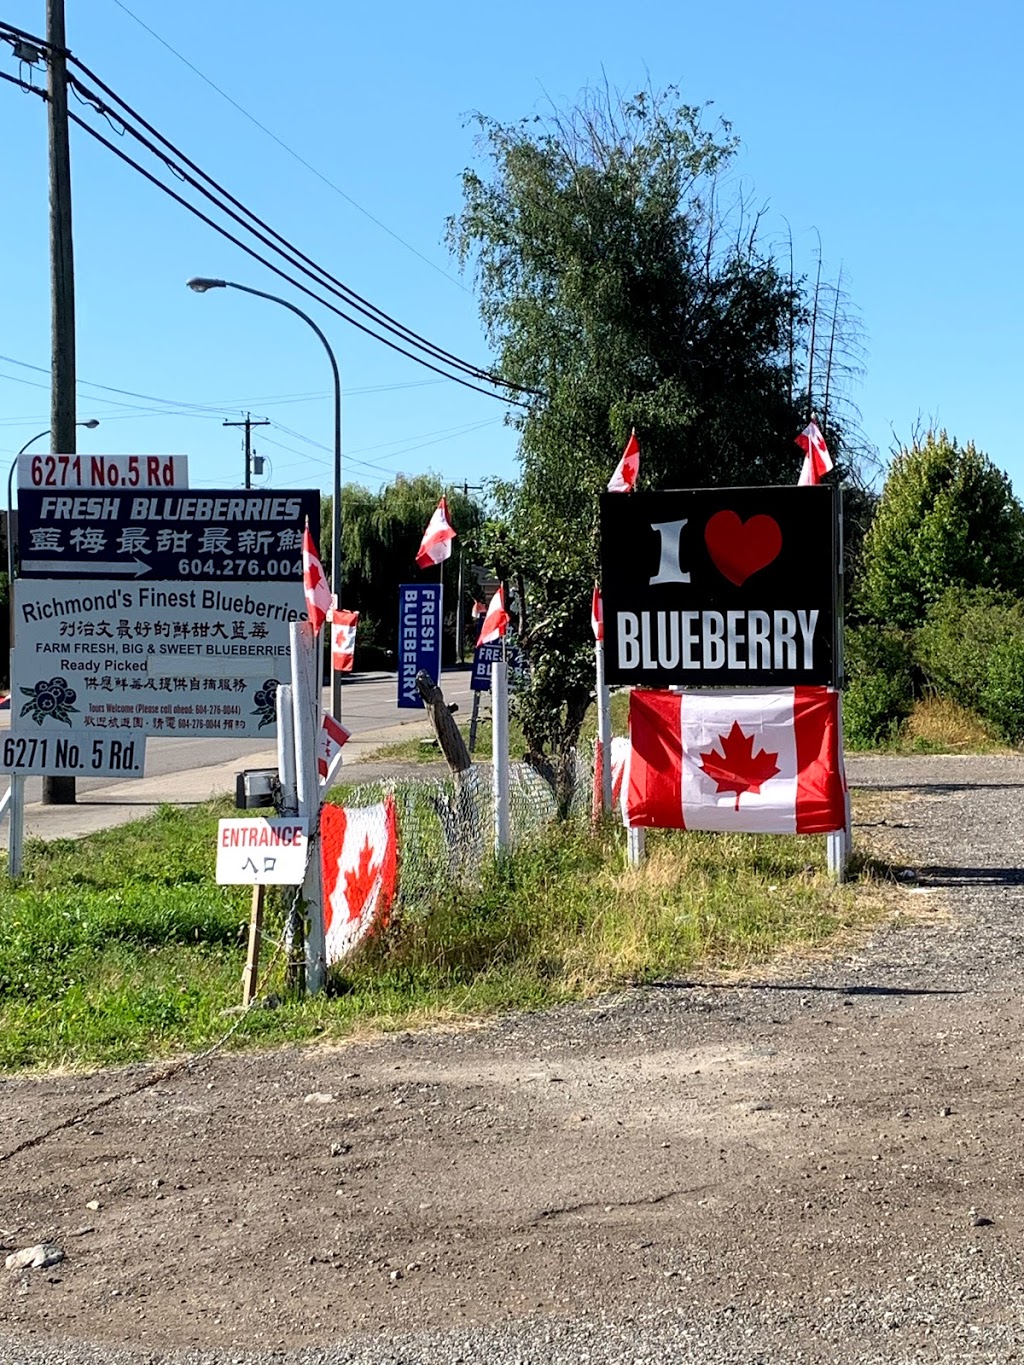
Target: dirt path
(815, 1169)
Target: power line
(369, 310)
(290, 150)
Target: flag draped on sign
(343, 639)
(817, 460)
(330, 740)
(620, 754)
(762, 761)
(436, 545)
(359, 861)
(627, 469)
(319, 599)
(496, 621)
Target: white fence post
(286, 751)
(499, 753)
(636, 846)
(604, 729)
(306, 715)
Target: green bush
(961, 632)
(1002, 701)
(879, 692)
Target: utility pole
(248, 424)
(60, 791)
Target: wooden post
(252, 959)
(449, 736)
(306, 711)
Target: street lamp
(92, 424)
(200, 285)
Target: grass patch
(938, 725)
(120, 946)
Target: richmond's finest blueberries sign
(731, 586)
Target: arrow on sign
(89, 568)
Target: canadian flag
(496, 621)
(817, 460)
(597, 614)
(627, 469)
(359, 863)
(343, 639)
(620, 755)
(333, 736)
(436, 545)
(319, 599)
(762, 761)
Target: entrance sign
(102, 471)
(201, 535)
(73, 753)
(419, 639)
(154, 658)
(261, 852)
(721, 586)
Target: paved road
(190, 770)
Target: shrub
(962, 630)
(1002, 700)
(879, 692)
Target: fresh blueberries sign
(419, 639)
(720, 586)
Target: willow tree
(618, 292)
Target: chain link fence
(446, 827)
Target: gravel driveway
(825, 1166)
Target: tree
(947, 518)
(617, 293)
(380, 534)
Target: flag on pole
(764, 761)
(627, 469)
(332, 737)
(479, 611)
(319, 599)
(817, 460)
(496, 621)
(343, 639)
(597, 614)
(436, 545)
(359, 863)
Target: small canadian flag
(319, 599)
(496, 621)
(597, 614)
(436, 545)
(343, 639)
(761, 761)
(627, 469)
(330, 742)
(817, 460)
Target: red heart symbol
(741, 548)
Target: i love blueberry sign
(720, 586)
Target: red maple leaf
(313, 576)
(360, 883)
(737, 768)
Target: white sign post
(499, 754)
(604, 728)
(306, 714)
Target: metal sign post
(306, 716)
(499, 754)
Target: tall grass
(120, 946)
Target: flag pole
(604, 729)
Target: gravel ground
(826, 1165)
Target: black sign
(713, 586)
(203, 534)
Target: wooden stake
(252, 958)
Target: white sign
(264, 852)
(102, 471)
(75, 753)
(160, 658)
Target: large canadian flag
(761, 761)
(359, 861)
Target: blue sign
(419, 639)
(241, 536)
(485, 655)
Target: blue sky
(893, 130)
